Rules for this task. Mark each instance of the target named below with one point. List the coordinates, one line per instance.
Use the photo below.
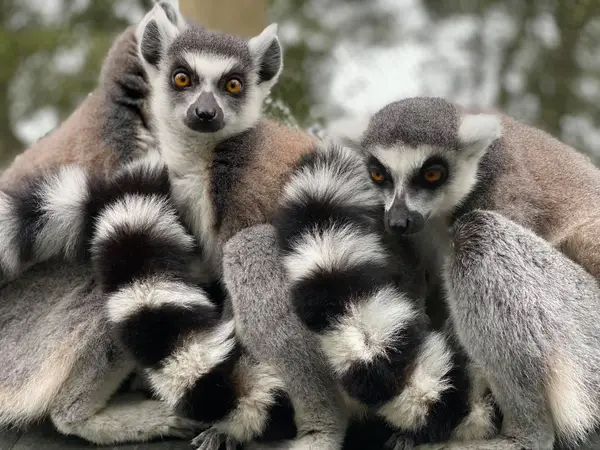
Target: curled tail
(345, 288)
(143, 257)
(54, 214)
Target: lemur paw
(399, 441)
(213, 439)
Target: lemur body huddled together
(273, 290)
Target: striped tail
(188, 349)
(54, 214)
(345, 288)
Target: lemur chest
(192, 195)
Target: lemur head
(205, 84)
(424, 154)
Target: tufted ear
(157, 30)
(477, 132)
(268, 55)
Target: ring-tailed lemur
(349, 289)
(226, 164)
(140, 250)
(434, 163)
(58, 356)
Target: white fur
(9, 232)
(367, 329)
(479, 423)
(403, 161)
(211, 66)
(259, 44)
(195, 357)
(192, 194)
(574, 411)
(477, 131)
(153, 293)
(152, 215)
(168, 31)
(64, 196)
(332, 249)
(427, 382)
(339, 180)
(250, 416)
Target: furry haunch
(349, 289)
(529, 316)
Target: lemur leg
(87, 406)
(528, 316)
(271, 332)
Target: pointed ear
(476, 133)
(266, 52)
(157, 30)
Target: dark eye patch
(374, 165)
(434, 163)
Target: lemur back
(544, 185)
(110, 127)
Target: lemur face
(418, 184)
(424, 156)
(206, 83)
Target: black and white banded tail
(347, 289)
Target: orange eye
(233, 86)
(182, 80)
(377, 176)
(434, 175)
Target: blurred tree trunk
(245, 18)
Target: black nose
(413, 223)
(205, 115)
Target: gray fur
(267, 327)
(59, 359)
(52, 317)
(408, 122)
(529, 316)
(110, 127)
